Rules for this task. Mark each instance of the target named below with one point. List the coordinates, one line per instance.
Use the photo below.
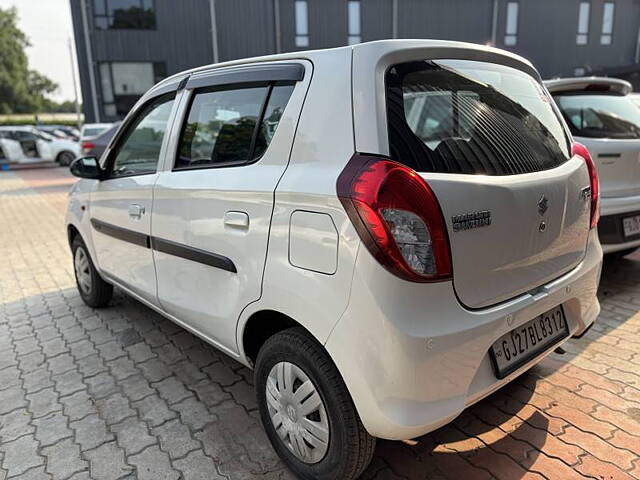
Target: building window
(511, 31)
(353, 14)
(124, 82)
(607, 23)
(583, 23)
(122, 14)
(302, 24)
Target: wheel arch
(262, 325)
(72, 233)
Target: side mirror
(86, 167)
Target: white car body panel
(11, 149)
(411, 354)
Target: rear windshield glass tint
(462, 116)
(600, 116)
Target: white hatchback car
(603, 115)
(37, 146)
(386, 232)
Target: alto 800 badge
(467, 221)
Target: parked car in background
(10, 150)
(603, 116)
(61, 131)
(400, 285)
(37, 146)
(92, 130)
(95, 147)
(636, 98)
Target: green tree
(21, 90)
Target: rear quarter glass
(470, 117)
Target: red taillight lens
(581, 150)
(87, 147)
(397, 217)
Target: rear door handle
(236, 220)
(136, 211)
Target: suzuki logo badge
(543, 205)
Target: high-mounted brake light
(397, 216)
(581, 150)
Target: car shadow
(499, 437)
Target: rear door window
(231, 126)
(469, 117)
(600, 116)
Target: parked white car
(603, 116)
(90, 131)
(382, 260)
(37, 146)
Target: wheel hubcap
(297, 412)
(83, 273)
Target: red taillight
(397, 217)
(87, 147)
(581, 150)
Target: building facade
(125, 46)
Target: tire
(95, 292)
(65, 158)
(349, 448)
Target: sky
(47, 24)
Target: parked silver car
(603, 116)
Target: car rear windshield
(470, 117)
(600, 116)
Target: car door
(213, 203)
(121, 203)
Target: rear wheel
(65, 158)
(95, 292)
(307, 411)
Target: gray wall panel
(465, 20)
(377, 19)
(546, 31)
(245, 28)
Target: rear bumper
(610, 229)
(413, 358)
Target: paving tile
(152, 464)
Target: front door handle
(136, 211)
(236, 220)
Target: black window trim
(123, 134)
(267, 72)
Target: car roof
(26, 128)
(589, 85)
(379, 47)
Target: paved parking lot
(123, 393)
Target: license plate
(521, 344)
(631, 226)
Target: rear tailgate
(522, 247)
(491, 145)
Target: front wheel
(307, 411)
(95, 292)
(65, 158)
